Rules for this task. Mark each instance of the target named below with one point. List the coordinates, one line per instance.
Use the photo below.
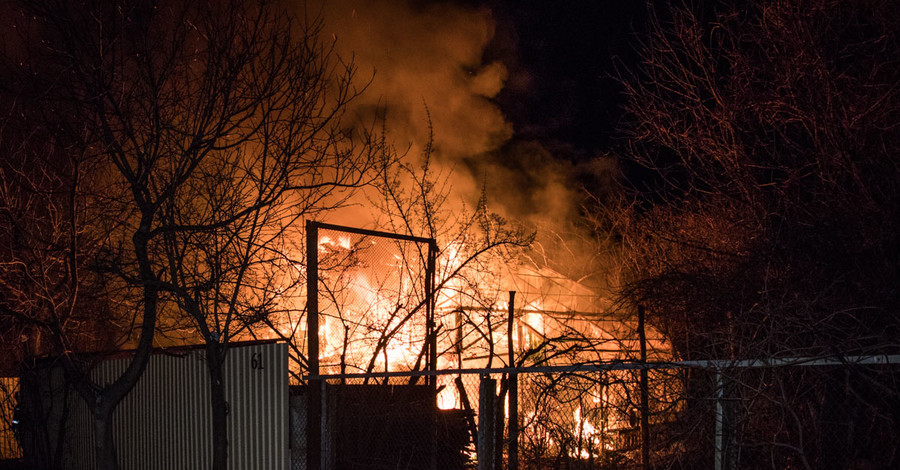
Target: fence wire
(802, 415)
(567, 420)
(373, 302)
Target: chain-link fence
(372, 299)
(813, 413)
(584, 417)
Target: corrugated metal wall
(165, 422)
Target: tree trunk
(214, 361)
(104, 402)
(104, 447)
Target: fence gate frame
(315, 382)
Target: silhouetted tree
(50, 298)
(767, 134)
(212, 128)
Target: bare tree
(51, 301)
(216, 127)
(768, 134)
(376, 293)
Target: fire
(448, 398)
(372, 318)
(367, 301)
(326, 242)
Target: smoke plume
(428, 63)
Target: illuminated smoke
(427, 60)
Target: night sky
(562, 59)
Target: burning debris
(374, 292)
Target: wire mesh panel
(590, 419)
(370, 307)
(391, 423)
(390, 426)
(582, 418)
(297, 403)
(373, 296)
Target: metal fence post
(725, 438)
(314, 383)
(487, 397)
(645, 394)
(512, 449)
(431, 337)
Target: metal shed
(165, 422)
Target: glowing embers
(579, 416)
(588, 434)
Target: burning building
(392, 310)
(407, 336)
